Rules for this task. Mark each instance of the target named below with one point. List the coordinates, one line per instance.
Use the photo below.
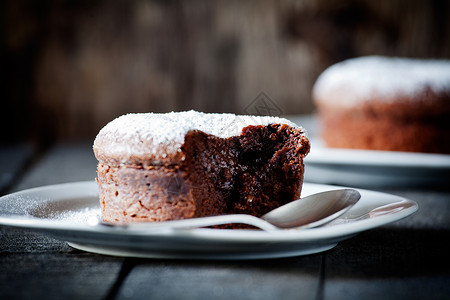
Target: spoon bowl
(314, 210)
(307, 212)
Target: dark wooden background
(69, 67)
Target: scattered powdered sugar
(74, 210)
(169, 129)
(364, 78)
(81, 216)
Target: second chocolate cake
(158, 167)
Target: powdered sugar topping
(364, 78)
(153, 130)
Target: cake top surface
(384, 78)
(161, 135)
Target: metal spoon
(308, 212)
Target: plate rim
(213, 235)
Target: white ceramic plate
(62, 212)
(374, 168)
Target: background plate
(368, 168)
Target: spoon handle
(198, 222)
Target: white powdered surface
(385, 78)
(153, 130)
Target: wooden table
(409, 259)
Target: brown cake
(158, 167)
(383, 103)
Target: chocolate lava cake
(159, 167)
(385, 103)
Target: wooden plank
(419, 287)
(390, 263)
(290, 278)
(36, 267)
